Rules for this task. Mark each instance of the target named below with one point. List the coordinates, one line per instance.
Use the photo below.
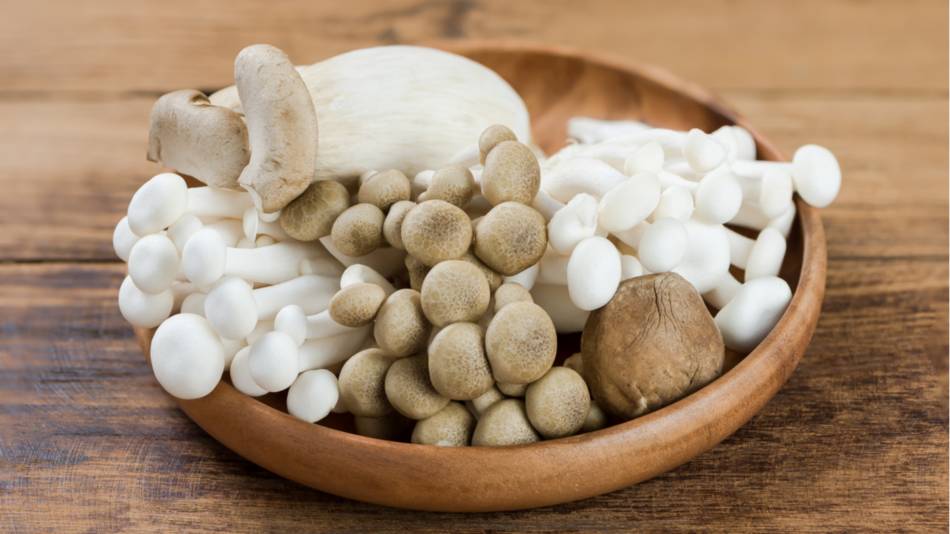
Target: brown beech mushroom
(504, 423)
(194, 137)
(451, 427)
(281, 125)
(492, 136)
(673, 349)
(383, 189)
(511, 173)
(453, 184)
(310, 216)
(435, 231)
(510, 238)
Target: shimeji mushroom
(191, 135)
(556, 301)
(313, 395)
(663, 245)
(772, 192)
(707, 255)
(254, 226)
(629, 203)
(385, 260)
(123, 238)
(593, 273)
(164, 198)
(141, 309)
(749, 316)
(574, 222)
(153, 263)
(360, 274)
(206, 258)
(525, 278)
(187, 356)
(814, 169)
(760, 257)
(234, 309)
(750, 216)
(580, 175)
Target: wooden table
(857, 440)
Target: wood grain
(856, 441)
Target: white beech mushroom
(192, 136)
(281, 124)
(187, 356)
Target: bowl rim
(766, 368)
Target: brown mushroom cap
(385, 188)
(392, 226)
(453, 184)
(409, 390)
(484, 401)
(558, 403)
(490, 137)
(356, 305)
(310, 216)
(450, 427)
(595, 420)
(576, 362)
(454, 291)
(510, 292)
(358, 230)
(435, 231)
(511, 174)
(494, 279)
(512, 390)
(504, 423)
(458, 367)
(675, 350)
(521, 343)
(510, 238)
(417, 272)
(401, 328)
(362, 383)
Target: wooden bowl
(556, 84)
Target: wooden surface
(857, 440)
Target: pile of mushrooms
(411, 260)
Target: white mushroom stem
(144, 310)
(772, 192)
(556, 301)
(164, 198)
(676, 202)
(254, 226)
(573, 223)
(234, 309)
(230, 230)
(356, 274)
(386, 261)
(206, 259)
(294, 321)
(525, 278)
(751, 217)
(324, 352)
(759, 257)
(814, 170)
(748, 317)
(725, 290)
(580, 175)
(589, 130)
(546, 204)
(324, 266)
(123, 238)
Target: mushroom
(510, 238)
(272, 362)
(573, 223)
(454, 291)
(312, 396)
(187, 357)
(401, 327)
(358, 230)
(356, 274)
(234, 309)
(663, 245)
(458, 367)
(357, 304)
(153, 263)
(718, 198)
(556, 301)
(749, 316)
(593, 273)
(629, 203)
(161, 200)
(504, 423)
(205, 259)
(814, 169)
(310, 216)
(392, 225)
(409, 390)
(760, 257)
(123, 239)
(521, 343)
(450, 427)
(492, 136)
(386, 260)
(383, 189)
(580, 175)
(281, 124)
(511, 174)
(676, 202)
(192, 136)
(526, 278)
(144, 310)
(363, 383)
(454, 184)
(557, 403)
(435, 231)
(240, 375)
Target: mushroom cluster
(415, 272)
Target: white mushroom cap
(241, 375)
(746, 319)
(648, 157)
(663, 245)
(707, 255)
(182, 230)
(766, 255)
(273, 361)
(816, 174)
(123, 238)
(676, 202)
(194, 303)
(718, 198)
(313, 395)
(204, 257)
(153, 263)
(580, 175)
(157, 204)
(231, 309)
(187, 356)
(593, 273)
(630, 267)
(630, 203)
(576, 221)
(702, 151)
(144, 310)
(292, 320)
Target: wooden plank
(69, 168)
(856, 440)
(119, 46)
